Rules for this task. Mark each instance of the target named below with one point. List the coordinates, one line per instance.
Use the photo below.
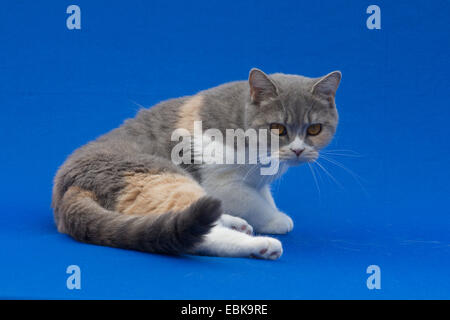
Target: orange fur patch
(158, 193)
(189, 112)
(77, 193)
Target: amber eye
(314, 129)
(278, 129)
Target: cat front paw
(280, 224)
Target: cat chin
(291, 162)
(294, 162)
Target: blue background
(60, 88)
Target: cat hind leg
(225, 242)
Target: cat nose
(298, 152)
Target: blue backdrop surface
(60, 88)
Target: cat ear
(261, 87)
(328, 85)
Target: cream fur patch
(189, 112)
(158, 193)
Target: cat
(123, 190)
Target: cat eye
(278, 128)
(314, 129)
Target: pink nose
(298, 152)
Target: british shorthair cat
(125, 190)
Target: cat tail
(171, 233)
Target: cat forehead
(298, 102)
(291, 82)
(294, 91)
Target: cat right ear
(261, 87)
(328, 85)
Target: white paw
(235, 223)
(266, 248)
(281, 224)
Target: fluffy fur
(123, 190)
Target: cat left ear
(261, 87)
(328, 85)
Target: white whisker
(341, 154)
(329, 174)
(355, 176)
(314, 177)
(342, 151)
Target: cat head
(300, 111)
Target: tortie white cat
(124, 189)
